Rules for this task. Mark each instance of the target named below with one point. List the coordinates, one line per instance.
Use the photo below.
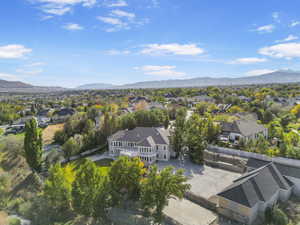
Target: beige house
(150, 144)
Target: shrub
(279, 217)
(14, 221)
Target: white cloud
(61, 7)
(294, 23)
(155, 3)
(164, 71)
(72, 26)
(58, 11)
(119, 3)
(9, 77)
(249, 60)
(116, 23)
(154, 68)
(121, 13)
(13, 51)
(275, 16)
(111, 20)
(29, 72)
(121, 20)
(259, 72)
(172, 48)
(117, 52)
(285, 50)
(288, 38)
(35, 64)
(265, 29)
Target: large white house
(151, 144)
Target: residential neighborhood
(238, 164)
(149, 112)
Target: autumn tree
(125, 177)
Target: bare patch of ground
(49, 132)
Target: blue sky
(73, 42)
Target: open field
(48, 133)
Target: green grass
(104, 170)
(104, 162)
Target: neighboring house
(247, 199)
(63, 114)
(203, 98)
(44, 112)
(265, 184)
(244, 98)
(155, 105)
(150, 144)
(243, 129)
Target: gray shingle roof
(139, 134)
(147, 142)
(258, 185)
(243, 127)
(285, 170)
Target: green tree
(159, 187)
(58, 187)
(73, 146)
(177, 135)
(125, 177)
(196, 137)
(33, 145)
(90, 190)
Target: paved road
(188, 213)
(99, 157)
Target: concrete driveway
(205, 181)
(186, 212)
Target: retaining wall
(247, 155)
(201, 201)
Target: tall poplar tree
(33, 145)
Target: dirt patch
(3, 218)
(49, 132)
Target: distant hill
(18, 86)
(270, 78)
(95, 86)
(14, 84)
(275, 77)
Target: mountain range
(274, 77)
(18, 86)
(270, 78)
